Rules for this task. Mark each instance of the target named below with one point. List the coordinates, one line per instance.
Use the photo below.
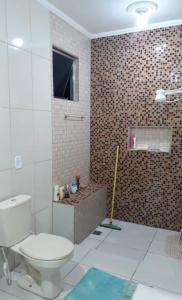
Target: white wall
(71, 139)
(25, 107)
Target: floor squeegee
(110, 224)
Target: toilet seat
(47, 247)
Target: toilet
(42, 255)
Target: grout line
(102, 241)
(133, 248)
(67, 282)
(147, 251)
(138, 264)
(151, 243)
(78, 263)
(89, 250)
(71, 269)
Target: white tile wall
(22, 136)
(18, 22)
(43, 185)
(5, 156)
(40, 29)
(71, 139)
(25, 107)
(43, 135)
(43, 221)
(20, 75)
(4, 91)
(41, 83)
(23, 182)
(3, 30)
(5, 184)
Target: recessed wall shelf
(153, 139)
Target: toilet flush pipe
(6, 269)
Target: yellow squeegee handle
(114, 183)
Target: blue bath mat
(98, 285)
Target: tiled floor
(136, 253)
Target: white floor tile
(68, 268)
(16, 291)
(90, 243)
(76, 275)
(104, 234)
(67, 290)
(79, 253)
(122, 251)
(5, 296)
(110, 263)
(138, 227)
(133, 236)
(160, 271)
(147, 293)
(158, 245)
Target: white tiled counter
(76, 217)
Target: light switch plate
(18, 162)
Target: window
(65, 76)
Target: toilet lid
(47, 247)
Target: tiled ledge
(76, 217)
(82, 194)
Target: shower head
(161, 95)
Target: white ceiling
(106, 17)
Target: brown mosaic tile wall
(126, 71)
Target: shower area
(126, 72)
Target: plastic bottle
(131, 140)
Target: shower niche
(150, 138)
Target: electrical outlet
(18, 162)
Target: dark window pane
(62, 76)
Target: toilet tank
(15, 220)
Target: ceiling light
(18, 42)
(142, 10)
(142, 20)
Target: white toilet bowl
(43, 256)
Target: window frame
(75, 73)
